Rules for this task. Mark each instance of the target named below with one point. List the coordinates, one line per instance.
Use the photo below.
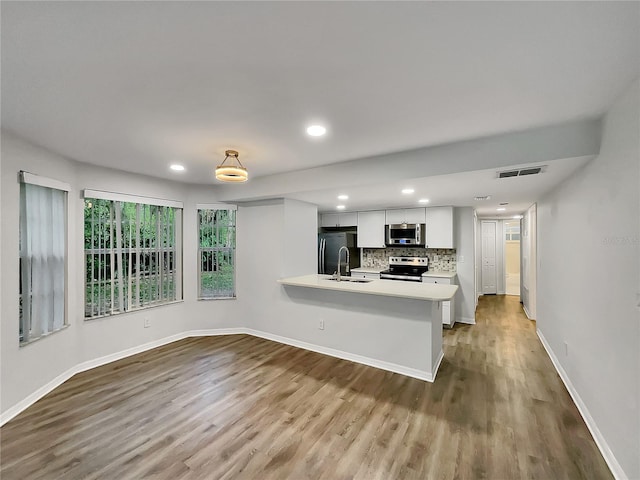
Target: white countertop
(369, 269)
(439, 274)
(389, 288)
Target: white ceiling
(458, 189)
(138, 85)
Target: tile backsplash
(439, 259)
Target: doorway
(512, 257)
(488, 230)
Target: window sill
(46, 335)
(136, 310)
(209, 299)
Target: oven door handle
(406, 278)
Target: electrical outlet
(321, 325)
(460, 258)
(566, 349)
(147, 322)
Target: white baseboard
(97, 362)
(216, 332)
(35, 396)
(372, 362)
(602, 444)
(466, 320)
(526, 312)
(437, 366)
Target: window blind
(216, 251)
(43, 253)
(133, 253)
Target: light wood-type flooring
(239, 407)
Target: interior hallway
(243, 407)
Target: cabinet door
(395, 216)
(447, 318)
(349, 219)
(330, 219)
(441, 281)
(370, 275)
(371, 229)
(414, 215)
(439, 227)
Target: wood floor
(238, 407)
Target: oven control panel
(409, 261)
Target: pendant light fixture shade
(231, 172)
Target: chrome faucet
(347, 265)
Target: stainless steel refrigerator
(329, 245)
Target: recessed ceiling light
(501, 209)
(340, 207)
(343, 197)
(177, 167)
(408, 191)
(517, 217)
(424, 200)
(316, 130)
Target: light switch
(460, 258)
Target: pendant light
(230, 172)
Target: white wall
(275, 239)
(478, 254)
(589, 281)
(25, 369)
(529, 250)
(465, 297)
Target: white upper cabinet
(439, 227)
(348, 219)
(371, 229)
(405, 215)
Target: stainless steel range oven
(409, 269)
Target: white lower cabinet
(371, 275)
(448, 308)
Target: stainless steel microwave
(399, 234)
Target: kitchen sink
(350, 279)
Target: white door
(489, 274)
(512, 257)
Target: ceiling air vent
(530, 171)
(521, 173)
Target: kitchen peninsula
(387, 324)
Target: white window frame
(41, 181)
(130, 306)
(215, 206)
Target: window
(216, 251)
(133, 253)
(512, 231)
(43, 256)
